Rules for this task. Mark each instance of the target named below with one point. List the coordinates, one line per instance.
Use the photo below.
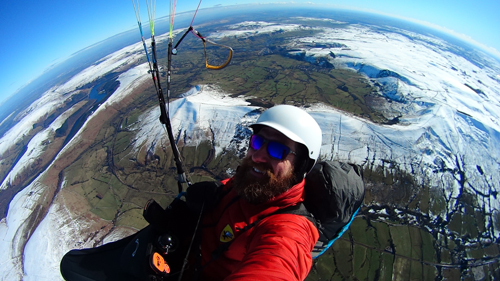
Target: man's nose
(260, 155)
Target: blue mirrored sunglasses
(275, 149)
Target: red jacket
(278, 247)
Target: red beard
(260, 190)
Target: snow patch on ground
(252, 28)
(204, 114)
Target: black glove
(206, 192)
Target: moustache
(265, 168)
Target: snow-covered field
(444, 126)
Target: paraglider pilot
(258, 241)
(244, 227)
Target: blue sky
(37, 34)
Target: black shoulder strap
(299, 209)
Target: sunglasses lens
(277, 150)
(256, 142)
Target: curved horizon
(20, 70)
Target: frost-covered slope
(447, 101)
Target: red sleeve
(279, 248)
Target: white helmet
(297, 125)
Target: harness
(334, 192)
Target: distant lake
(95, 94)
